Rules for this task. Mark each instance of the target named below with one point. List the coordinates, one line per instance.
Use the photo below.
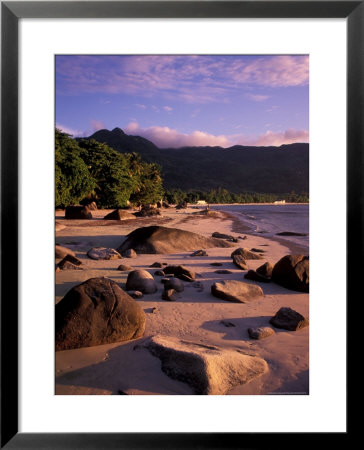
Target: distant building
(201, 202)
(279, 202)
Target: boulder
(257, 250)
(147, 212)
(224, 271)
(67, 265)
(255, 276)
(72, 259)
(141, 280)
(199, 253)
(158, 239)
(130, 253)
(124, 267)
(218, 235)
(97, 312)
(260, 332)
(119, 214)
(207, 369)
(245, 253)
(78, 212)
(159, 273)
(135, 294)
(216, 264)
(292, 272)
(62, 252)
(180, 272)
(174, 283)
(289, 319)
(157, 264)
(240, 262)
(92, 206)
(236, 291)
(170, 295)
(103, 253)
(265, 270)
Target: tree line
(87, 170)
(178, 196)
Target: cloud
(70, 131)
(257, 97)
(271, 138)
(188, 78)
(140, 106)
(168, 108)
(96, 125)
(165, 137)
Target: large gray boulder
(236, 291)
(292, 272)
(207, 369)
(141, 280)
(289, 319)
(158, 239)
(97, 312)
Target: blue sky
(177, 100)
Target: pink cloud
(165, 137)
(96, 125)
(257, 97)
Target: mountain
(238, 168)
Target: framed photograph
(272, 91)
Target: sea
(268, 220)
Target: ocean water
(268, 220)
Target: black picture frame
(11, 12)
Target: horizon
(179, 101)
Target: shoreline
(196, 316)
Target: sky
(186, 100)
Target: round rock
(236, 291)
(141, 280)
(103, 253)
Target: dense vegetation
(237, 169)
(177, 196)
(90, 170)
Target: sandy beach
(196, 316)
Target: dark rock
(148, 212)
(97, 312)
(182, 205)
(218, 235)
(158, 239)
(257, 250)
(78, 212)
(159, 273)
(154, 310)
(103, 253)
(124, 267)
(169, 295)
(209, 370)
(236, 291)
(245, 253)
(67, 265)
(157, 264)
(265, 270)
(240, 262)
(130, 253)
(199, 253)
(180, 272)
(289, 319)
(255, 276)
(91, 206)
(292, 272)
(71, 259)
(217, 264)
(119, 214)
(174, 283)
(261, 332)
(141, 280)
(223, 271)
(62, 252)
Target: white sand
(196, 316)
